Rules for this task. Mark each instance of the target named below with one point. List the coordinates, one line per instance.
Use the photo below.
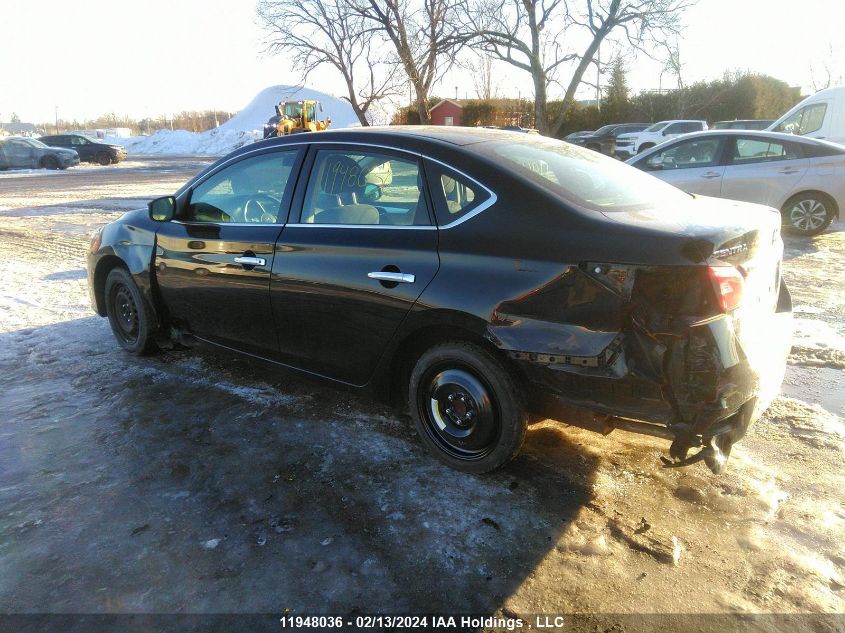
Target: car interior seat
(336, 199)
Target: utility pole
(57, 119)
(456, 93)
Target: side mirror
(162, 209)
(372, 192)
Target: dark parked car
(743, 124)
(603, 140)
(89, 150)
(19, 152)
(497, 277)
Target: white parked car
(628, 145)
(802, 177)
(821, 115)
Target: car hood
(715, 229)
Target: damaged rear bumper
(699, 390)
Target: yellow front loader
(293, 117)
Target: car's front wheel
(467, 407)
(103, 158)
(809, 213)
(130, 316)
(50, 162)
(644, 147)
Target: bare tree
(532, 35)
(330, 32)
(482, 76)
(425, 36)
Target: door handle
(250, 261)
(711, 174)
(397, 278)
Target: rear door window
(363, 187)
(761, 150)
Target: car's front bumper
(700, 390)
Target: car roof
(454, 135)
(806, 140)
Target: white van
(819, 116)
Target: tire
(131, 318)
(467, 408)
(103, 158)
(809, 213)
(49, 162)
(644, 147)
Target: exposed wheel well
(410, 350)
(104, 267)
(644, 147)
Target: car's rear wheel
(467, 407)
(103, 158)
(130, 316)
(808, 213)
(49, 162)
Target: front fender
(128, 242)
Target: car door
(213, 261)
(694, 165)
(763, 170)
(361, 251)
(83, 146)
(20, 154)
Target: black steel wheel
(132, 320)
(103, 158)
(808, 213)
(50, 162)
(467, 408)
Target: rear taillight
(728, 283)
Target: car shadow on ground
(194, 482)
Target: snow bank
(243, 128)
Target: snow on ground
(243, 128)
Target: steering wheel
(256, 211)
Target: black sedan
(89, 150)
(19, 152)
(496, 278)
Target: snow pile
(242, 129)
(255, 115)
(183, 143)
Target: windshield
(587, 178)
(657, 126)
(34, 143)
(604, 130)
(293, 110)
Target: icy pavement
(193, 483)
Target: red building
(447, 112)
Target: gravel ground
(191, 483)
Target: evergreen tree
(616, 106)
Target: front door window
(250, 191)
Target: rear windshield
(585, 178)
